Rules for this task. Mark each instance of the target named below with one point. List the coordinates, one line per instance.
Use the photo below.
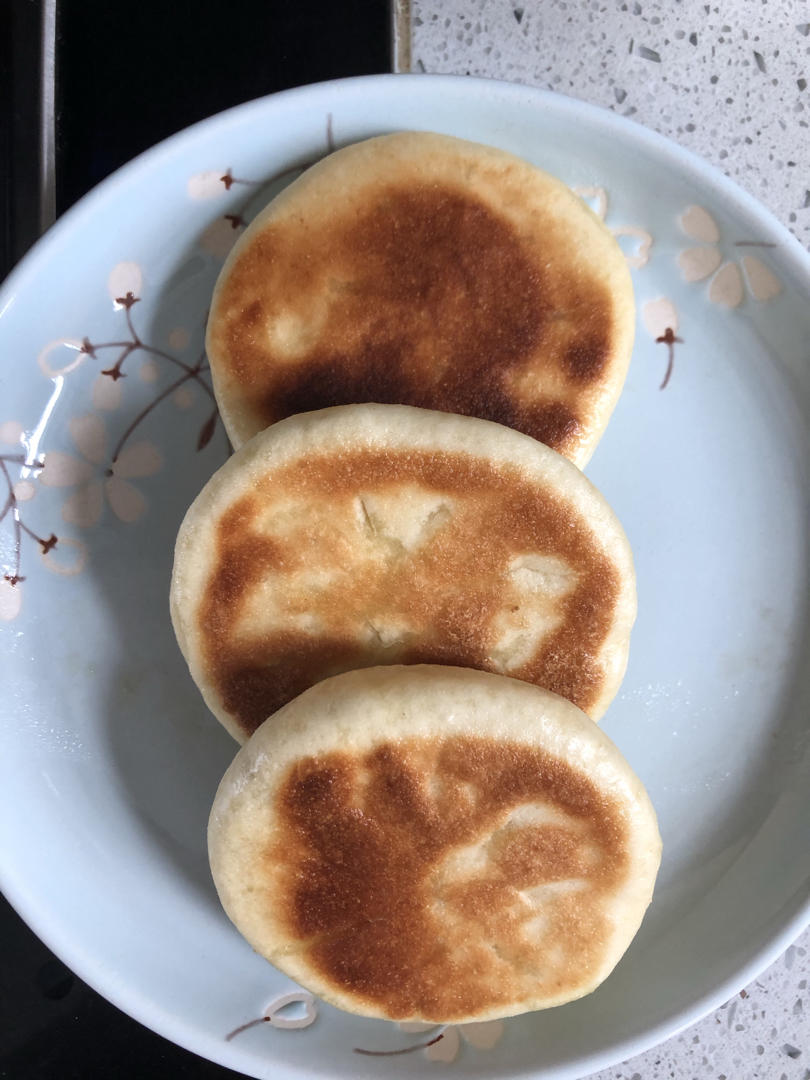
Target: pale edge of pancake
(359, 710)
(352, 428)
(405, 155)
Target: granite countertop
(728, 81)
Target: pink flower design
(278, 1014)
(10, 599)
(638, 254)
(480, 1036)
(95, 478)
(660, 317)
(726, 284)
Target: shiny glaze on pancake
(307, 582)
(443, 877)
(420, 294)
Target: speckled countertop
(730, 81)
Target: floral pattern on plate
(638, 254)
(727, 277)
(102, 470)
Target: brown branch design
(238, 220)
(134, 343)
(244, 1027)
(123, 349)
(402, 1049)
(669, 339)
(11, 510)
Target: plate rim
(31, 908)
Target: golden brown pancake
(420, 269)
(435, 844)
(379, 534)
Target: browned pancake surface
(432, 843)
(442, 279)
(449, 598)
(446, 877)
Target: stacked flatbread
(403, 598)
(418, 269)
(429, 843)
(378, 534)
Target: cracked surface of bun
(383, 534)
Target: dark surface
(132, 74)
(128, 75)
(19, 118)
(54, 1027)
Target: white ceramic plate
(109, 760)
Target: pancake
(435, 844)
(420, 269)
(378, 534)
